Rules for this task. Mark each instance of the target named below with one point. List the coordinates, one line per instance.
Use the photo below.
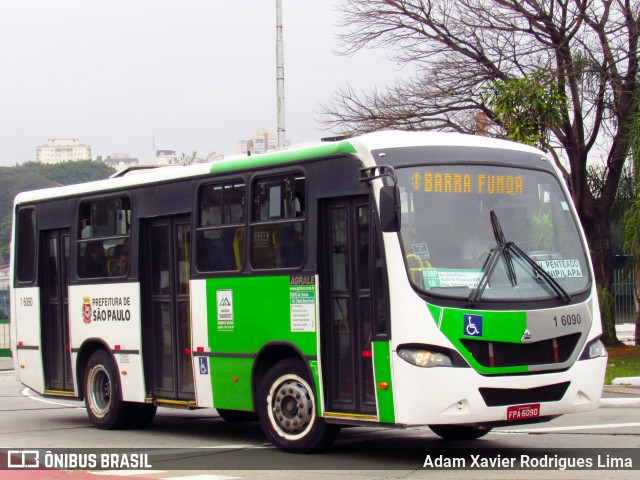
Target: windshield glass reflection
(447, 232)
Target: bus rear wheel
(103, 396)
(459, 432)
(287, 410)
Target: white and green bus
(393, 279)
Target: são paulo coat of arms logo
(86, 310)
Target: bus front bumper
(443, 395)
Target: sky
(124, 75)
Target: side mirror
(390, 209)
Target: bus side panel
(110, 312)
(244, 314)
(28, 362)
(199, 345)
(383, 381)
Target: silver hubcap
(292, 407)
(99, 390)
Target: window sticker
(224, 301)
(562, 268)
(472, 325)
(303, 295)
(450, 277)
(421, 251)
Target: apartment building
(59, 150)
(261, 141)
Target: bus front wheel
(459, 432)
(287, 410)
(103, 396)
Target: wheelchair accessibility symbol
(203, 365)
(473, 325)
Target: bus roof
(360, 145)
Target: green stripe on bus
(258, 312)
(501, 326)
(285, 156)
(382, 366)
(231, 382)
(313, 365)
(243, 315)
(435, 312)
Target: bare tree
(458, 47)
(188, 159)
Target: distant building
(261, 141)
(118, 161)
(166, 157)
(63, 150)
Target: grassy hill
(34, 176)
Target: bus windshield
(448, 234)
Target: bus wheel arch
(103, 393)
(84, 353)
(267, 357)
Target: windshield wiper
(502, 242)
(542, 273)
(505, 249)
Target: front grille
(502, 354)
(500, 397)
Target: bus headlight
(594, 349)
(424, 358)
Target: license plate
(523, 412)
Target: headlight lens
(594, 349)
(424, 358)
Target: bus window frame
(77, 239)
(251, 224)
(197, 228)
(379, 290)
(18, 243)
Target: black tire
(459, 432)
(288, 412)
(103, 395)
(237, 416)
(143, 415)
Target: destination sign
(479, 183)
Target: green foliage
(623, 361)
(632, 212)
(34, 176)
(69, 173)
(526, 107)
(607, 311)
(632, 229)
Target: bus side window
(278, 226)
(104, 228)
(220, 227)
(26, 245)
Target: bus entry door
(54, 280)
(347, 306)
(166, 323)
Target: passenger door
(166, 321)
(347, 306)
(54, 281)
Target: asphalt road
(198, 445)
